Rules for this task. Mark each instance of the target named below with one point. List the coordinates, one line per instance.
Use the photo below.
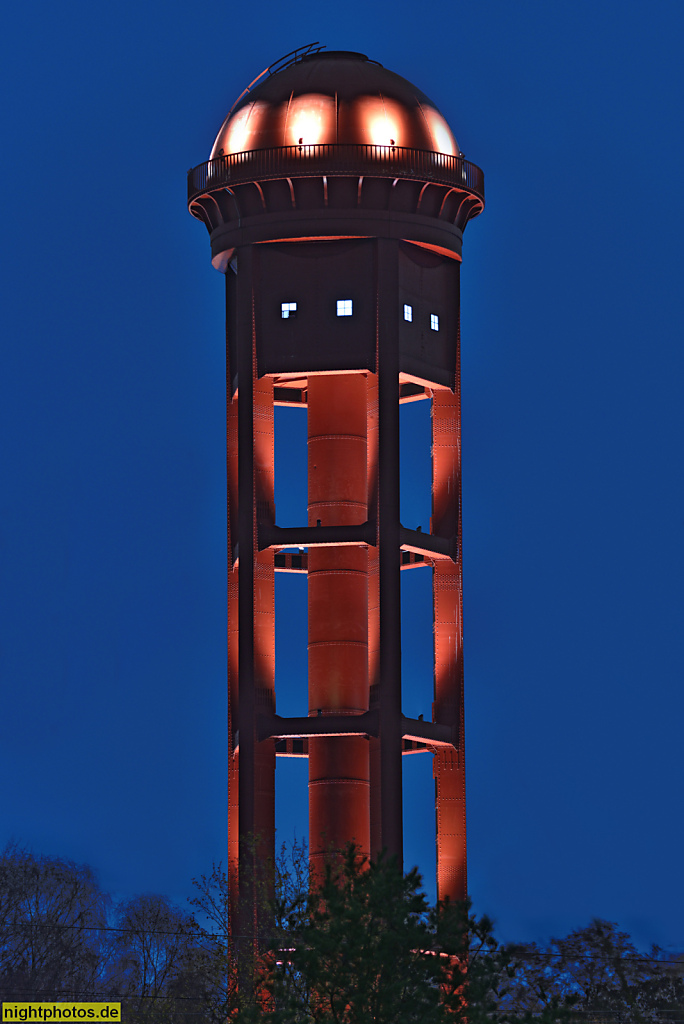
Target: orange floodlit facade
(336, 197)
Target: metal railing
(293, 57)
(333, 159)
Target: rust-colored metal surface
(373, 452)
(233, 660)
(334, 97)
(449, 762)
(338, 615)
(264, 620)
(334, 181)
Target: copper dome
(334, 97)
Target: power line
(105, 928)
(196, 931)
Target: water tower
(335, 198)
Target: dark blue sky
(112, 478)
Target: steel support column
(252, 761)
(449, 763)
(390, 782)
(373, 611)
(246, 915)
(233, 633)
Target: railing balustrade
(333, 159)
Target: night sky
(112, 473)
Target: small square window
(344, 307)
(288, 309)
(408, 313)
(434, 321)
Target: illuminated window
(408, 313)
(434, 321)
(344, 307)
(288, 309)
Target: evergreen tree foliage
(364, 945)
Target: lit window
(408, 313)
(344, 307)
(288, 309)
(434, 321)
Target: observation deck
(343, 159)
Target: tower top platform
(333, 145)
(332, 98)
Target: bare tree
(52, 915)
(594, 974)
(155, 963)
(215, 961)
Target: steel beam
(390, 782)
